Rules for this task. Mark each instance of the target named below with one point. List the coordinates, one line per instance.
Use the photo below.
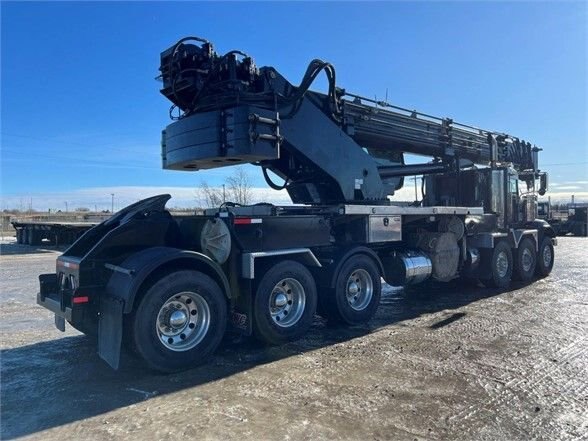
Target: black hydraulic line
(271, 183)
(173, 55)
(392, 171)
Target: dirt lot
(458, 363)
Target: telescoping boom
(328, 148)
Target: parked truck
(168, 286)
(573, 219)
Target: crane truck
(167, 287)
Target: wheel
(285, 303)
(526, 260)
(179, 322)
(545, 257)
(357, 292)
(499, 266)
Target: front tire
(499, 264)
(526, 260)
(356, 296)
(179, 322)
(285, 303)
(545, 258)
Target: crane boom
(328, 148)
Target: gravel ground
(454, 363)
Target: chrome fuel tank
(407, 268)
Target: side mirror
(543, 182)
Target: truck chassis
(267, 270)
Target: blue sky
(82, 113)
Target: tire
(499, 266)
(545, 258)
(285, 303)
(356, 296)
(166, 346)
(526, 260)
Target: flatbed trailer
(573, 220)
(56, 233)
(167, 286)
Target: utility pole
(66, 208)
(112, 204)
(224, 194)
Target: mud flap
(60, 323)
(110, 330)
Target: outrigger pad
(110, 330)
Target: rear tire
(499, 265)
(285, 303)
(545, 258)
(179, 322)
(356, 296)
(526, 260)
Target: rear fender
(126, 283)
(128, 278)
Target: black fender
(543, 228)
(347, 253)
(126, 282)
(127, 279)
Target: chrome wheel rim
(359, 289)
(286, 303)
(546, 256)
(502, 264)
(527, 260)
(183, 321)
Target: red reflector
(83, 299)
(246, 221)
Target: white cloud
(569, 187)
(187, 197)
(101, 197)
(566, 196)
